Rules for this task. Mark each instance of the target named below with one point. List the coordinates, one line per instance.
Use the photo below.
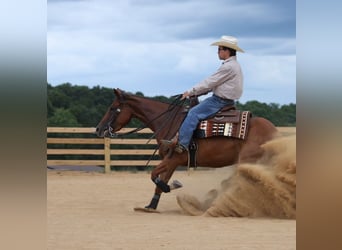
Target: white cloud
(270, 70)
(162, 47)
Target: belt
(224, 99)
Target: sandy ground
(91, 210)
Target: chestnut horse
(165, 119)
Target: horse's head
(116, 117)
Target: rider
(226, 85)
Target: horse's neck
(148, 112)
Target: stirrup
(167, 143)
(180, 148)
(173, 142)
(174, 145)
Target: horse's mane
(128, 95)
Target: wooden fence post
(107, 154)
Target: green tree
(50, 108)
(63, 117)
(87, 106)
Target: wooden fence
(105, 148)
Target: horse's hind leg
(251, 153)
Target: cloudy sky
(162, 47)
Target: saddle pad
(239, 129)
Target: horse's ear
(119, 94)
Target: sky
(162, 47)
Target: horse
(164, 120)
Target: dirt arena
(91, 210)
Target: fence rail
(106, 151)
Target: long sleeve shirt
(226, 82)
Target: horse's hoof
(146, 210)
(175, 184)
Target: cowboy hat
(228, 41)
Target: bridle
(176, 103)
(114, 112)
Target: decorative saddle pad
(235, 125)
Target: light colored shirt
(226, 82)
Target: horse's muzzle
(105, 132)
(100, 132)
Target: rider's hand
(186, 94)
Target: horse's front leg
(160, 176)
(156, 177)
(161, 186)
(155, 199)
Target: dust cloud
(264, 189)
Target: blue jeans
(200, 112)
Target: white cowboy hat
(228, 41)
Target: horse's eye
(118, 110)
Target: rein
(175, 103)
(171, 117)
